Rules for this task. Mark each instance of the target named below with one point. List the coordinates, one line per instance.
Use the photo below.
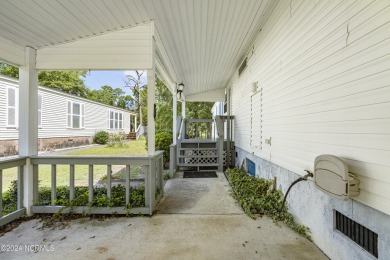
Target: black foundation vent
(361, 235)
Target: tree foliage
(110, 96)
(72, 82)
(199, 110)
(68, 81)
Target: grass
(131, 148)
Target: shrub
(10, 198)
(116, 140)
(256, 195)
(101, 137)
(163, 141)
(100, 199)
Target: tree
(134, 83)
(67, 81)
(199, 110)
(110, 96)
(164, 103)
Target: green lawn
(131, 148)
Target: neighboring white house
(64, 120)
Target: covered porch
(196, 219)
(72, 36)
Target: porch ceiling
(201, 42)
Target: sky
(116, 79)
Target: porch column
(151, 122)
(183, 109)
(135, 123)
(174, 109)
(28, 121)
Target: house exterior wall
(323, 69)
(54, 117)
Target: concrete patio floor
(197, 219)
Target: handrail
(12, 162)
(181, 130)
(95, 160)
(200, 120)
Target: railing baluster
(127, 184)
(161, 177)
(1, 193)
(90, 183)
(71, 182)
(53, 184)
(35, 184)
(20, 187)
(109, 181)
(147, 184)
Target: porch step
(132, 136)
(197, 164)
(200, 153)
(198, 149)
(198, 156)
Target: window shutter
(69, 120)
(120, 120)
(11, 107)
(108, 119)
(82, 115)
(39, 110)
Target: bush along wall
(257, 197)
(101, 137)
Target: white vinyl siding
(256, 120)
(75, 115)
(115, 120)
(40, 97)
(12, 107)
(124, 49)
(324, 68)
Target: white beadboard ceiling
(202, 41)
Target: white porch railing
(20, 210)
(153, 184)
(198, 128)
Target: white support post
(28, 121)
(150, 104)
(135, 123)
(183, 109)
(174, 109)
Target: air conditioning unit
(332, 177)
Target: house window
(12, 106)
(115, 120)
(40, 96)
(76, 118)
